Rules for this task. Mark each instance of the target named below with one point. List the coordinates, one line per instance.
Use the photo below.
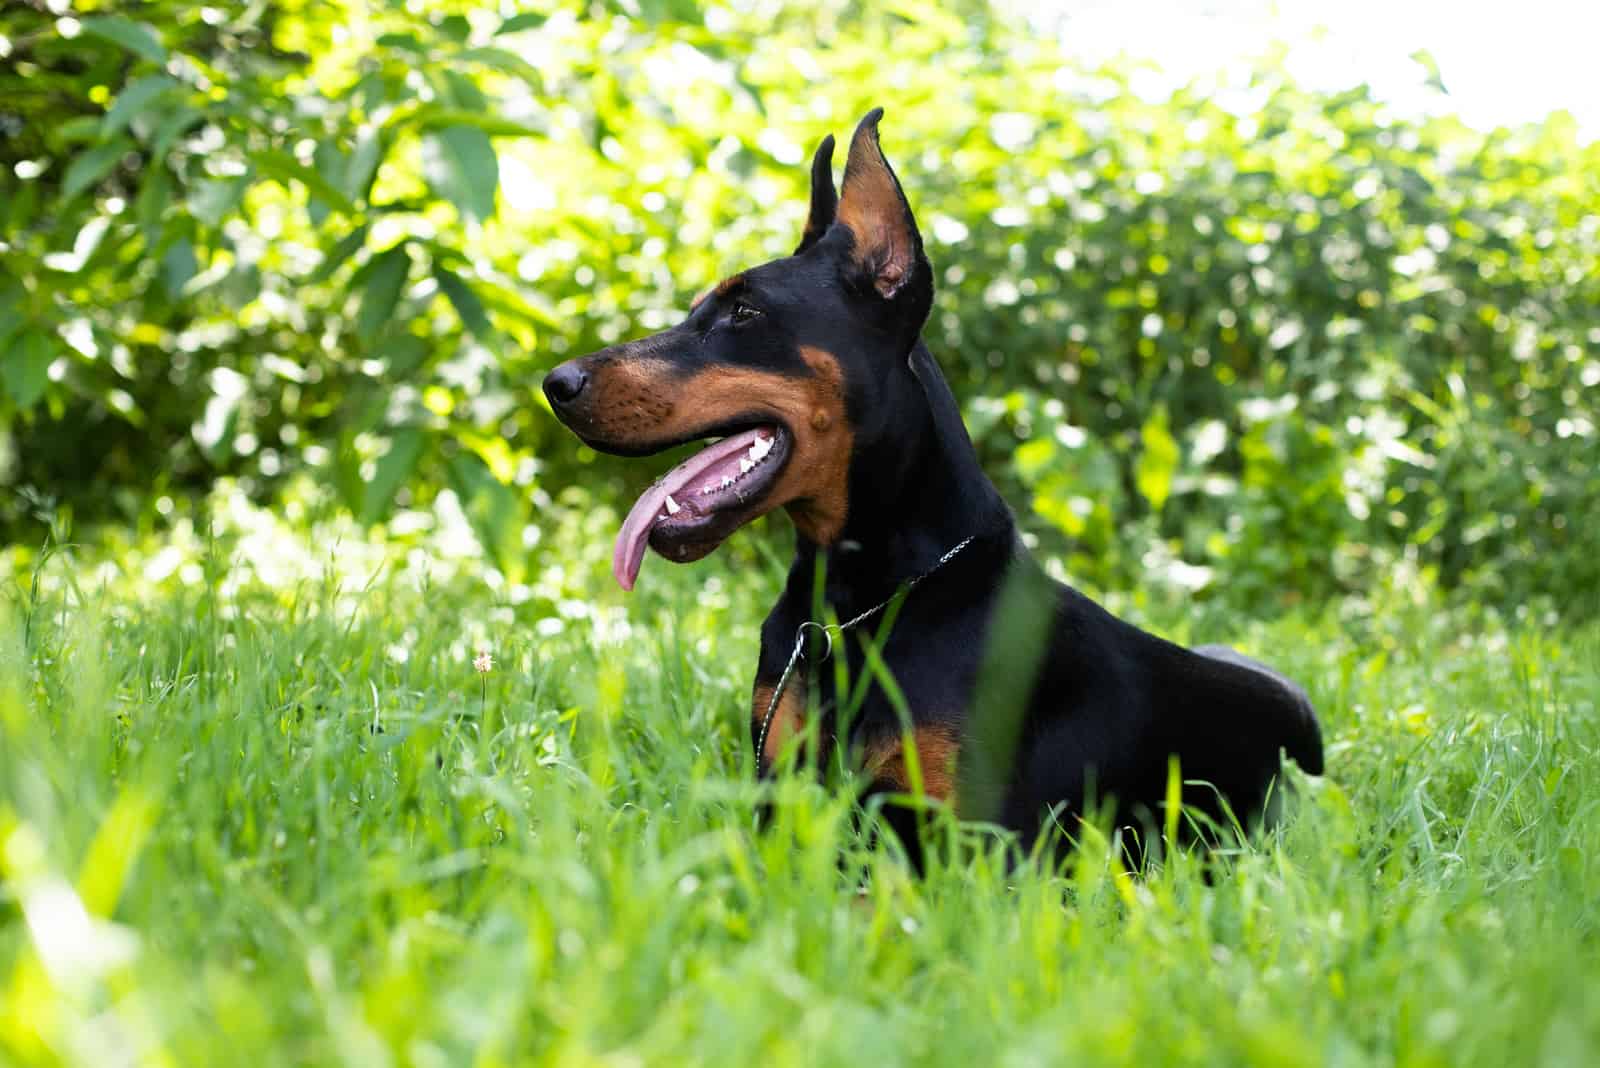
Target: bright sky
(1503, 63)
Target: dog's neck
(911, 502)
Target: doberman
(1032, 699)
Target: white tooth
(760, 448)
(672, 505)
(745, 466)
(726, 481)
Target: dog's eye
(743, 313)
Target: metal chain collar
(827, 630)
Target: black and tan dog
(1027, 701)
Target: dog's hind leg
(1305, 742)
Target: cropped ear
(887, 247)
(824, 201)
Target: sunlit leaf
(363, 163)
(25, 370)
(339, 254)
(92, 165)
(210, 201)
(466, 302)
(136, 37)
(408, 42)
(134, 101)
(434, 118)
(285, 168)
(527, 20)
(494, 510)
(178, 121)
(382, 291)
(178, 266)
(155, 197)
(392, 471)
(506, 62)
(461, 166)
(1158, 460)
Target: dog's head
(786, 363)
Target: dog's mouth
(693, 508)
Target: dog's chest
(863, 691)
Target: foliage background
(1251, 341)
(278, 282)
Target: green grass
(290, 825)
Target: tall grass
(292, 825)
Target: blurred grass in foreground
(289, 824)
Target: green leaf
(210, 200)
(466, 302)
(394, 468)
(79, 130)
(25, 370)
(21, 211)
(406, 41)
(1159, 460)
(463, 92)
(347, 247)
(494, 510)
(284, 168)
(523, 303)
(174, 126)
(132, 102)
(150, 210)
(384, 282)
(751, 90)
(1033, 458)
(136, 37)
(178, 266)
(363, 163)
(1430, 66)
(506, 62)
(10, 316)
(404, 354)
(329, 162)
(89, 167)
(528, 20)
(433, 117)
(460, 164)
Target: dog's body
(1027, 701)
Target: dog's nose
(564, 384)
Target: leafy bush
(1254, 339)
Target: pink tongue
(635, 533)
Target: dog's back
(1114, 703)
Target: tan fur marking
(721, 289)
(870, 207)
(787, 720)
(638, 401)
(819, 513)
(938, 748)
(637, 398)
